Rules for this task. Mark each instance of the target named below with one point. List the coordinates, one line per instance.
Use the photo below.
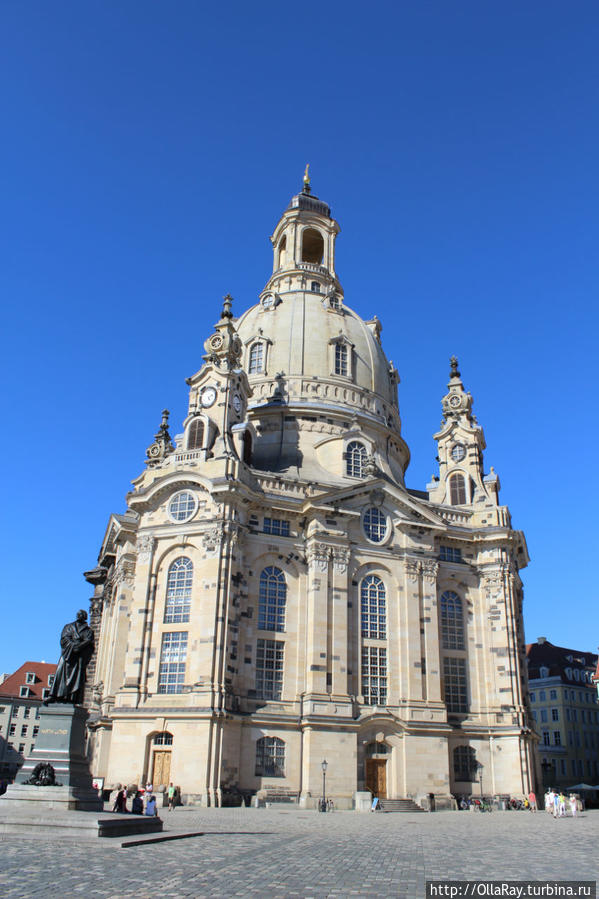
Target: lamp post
(480, 766)
(323, 801)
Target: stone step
(399, 805)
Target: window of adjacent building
(256, 361)
(570, 738)
(37, 713)
(533, 697)
(36, 731)
(341, 359)
(566, 694)
(557, 738)
(355, 458)
(11, 745)
(567, 714)
(374, 675)
(195, 440)
(51, 679)
(26, 712)
(13, 730)
(577, 739)
(269, 669)
(375, 525)
(544, 672)
(543, 715)
(30, 677)
(455, 687)
(24, 692)
(277, 526)
(21, 747)
(457, 489)
(45, 693)
(182, 506)
(583, 716)
(464, 763)
(546, 740)
(450, 554)
(171, 674)
(270, 757)
(163, 739)
(574, 715)
(312, 246)
(452, 621)
(272, 600)
(576, 673)
(579, 766)
(542, 696)
(553, 694)
(534, 714)
(23, 730)
(373, 611)
(178, 591)
(562, 765)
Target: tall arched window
(373, 611)
(452, 621)
(195, 439)
(340, 359)
(457, 489)
(282, 248)
(464, 763)
(312, 246)
(270, 757)
(256, 363)
(355, 459)
(272, 600)
(178, 591)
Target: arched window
(163, 739)
(375, 525)
(312, 246)
(340, 359)
(178, 591)
(315, 287)
(452, 621)
(464, 763)
(195, 439)
(256, 363)
(272, 600)
(373, 612)
(457, 489)
(282, 248)
(270, 757)
(355, 458)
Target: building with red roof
(21, 695)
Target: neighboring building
(565, 711)
(21, 695)
(275, 595)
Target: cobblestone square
(289, 852)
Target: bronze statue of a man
(77, 646)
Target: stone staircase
(399, 805)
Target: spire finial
(307, 180)
(454, 373)
(227, 303)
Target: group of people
(144, 802)
(557, 804)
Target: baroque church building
(275, 595)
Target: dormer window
(315, 287)
(51, 679)
(195, 440)
(341, 359)
(355, 458)
(30, 677)
(256, 363)
(45, 693)
(24, 692)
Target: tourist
(172, 791)
(137, 806)
(151, 808)
(532, 801)
(573, 805)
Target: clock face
(267, 302)
(455, 401)
(237, 403)
(208, 397)
(458, 452)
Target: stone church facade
(275, 596)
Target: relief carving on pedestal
(145, 545)
(318, 556)
(340, 559)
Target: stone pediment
(403, 507)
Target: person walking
(172, 791)
(555, 804)
(574, 805)
(562, 804)
(532, 801)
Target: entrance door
(376, 777)
(162, 768)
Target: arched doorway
(160, 768)
(375, 768)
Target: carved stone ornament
(125, 574)
(318, 556)
(377, 497)
(412, 569)
(212, 537)
(98, 692)
(162, 446)
(145, 545)
(430, 569)
(340, 559)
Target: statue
(77, 645)
(43, 775)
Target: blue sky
(149, 149)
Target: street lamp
(479, 768)
(323, 801)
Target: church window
(163, 739)
(334, 302)
(256, 363)
(171, 675)
(374, 675)
(282, 248)
(450, 554)
(457, 489)
(452, 621)
(270, 757)
(312, 246)
(355, 459)
(272, 600)
(315, 287)
(277, 526)
(196, 434)
(373, 601)
(178, 591)
(454, 676)
(269, 669)
(182, 506)
(340, 359)
(375, 525)
(464, 763)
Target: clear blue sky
(148, 151)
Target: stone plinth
(44, 820)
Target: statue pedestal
(61, 743)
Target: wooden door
(376, 777)
(162, 768)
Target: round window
(182, 506)
(375, 525)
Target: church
(275, 597)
